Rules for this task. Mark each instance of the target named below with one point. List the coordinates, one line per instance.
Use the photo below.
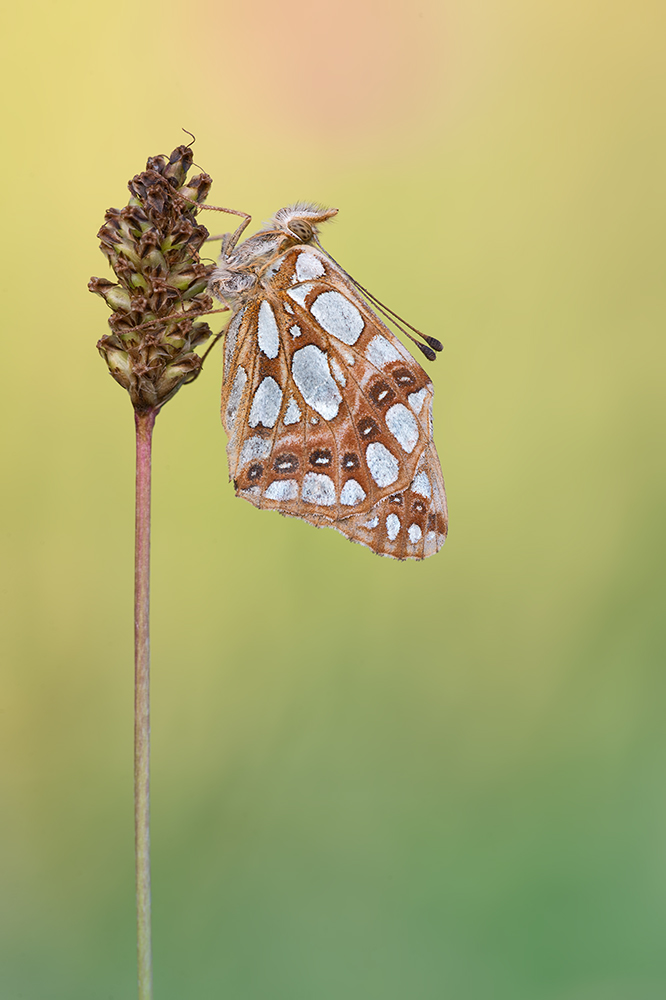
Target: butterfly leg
(229, 240)
(206, 353)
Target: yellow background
(371, 780)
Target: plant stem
(144, 434)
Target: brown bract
(153, 247)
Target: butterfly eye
(301, 229)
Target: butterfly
(328, 416)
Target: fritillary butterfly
(329, 418)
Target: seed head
(153, 247)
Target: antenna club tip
(434, 343)
(428, 351)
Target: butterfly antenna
(187, 132)
(384, 310)
(434, 343)
(431, 343)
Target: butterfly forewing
(329, 418)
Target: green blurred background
(371, 780)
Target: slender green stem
(144, 434)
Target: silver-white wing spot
(267, 332)
(318, 488)
(416, 399)
(282, 489)
(352, 493)
(293, 413)
(392, 526)
(295, 330)
(272, 269)
(313, 377)
(254, 448)
(421, 485)
(338, 316)
(300, 293)
(338, 373)
(372, 522)
(402, 425)
(266, 403)
(383, 466)
(380, 352)
(231, 336)
(414, 533)
(287, 308)
(235, 395)
(308, 266)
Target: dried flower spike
(153, 247)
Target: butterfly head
(299, 223)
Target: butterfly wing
(411, 524)
(329, 417)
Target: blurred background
(371, 780)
